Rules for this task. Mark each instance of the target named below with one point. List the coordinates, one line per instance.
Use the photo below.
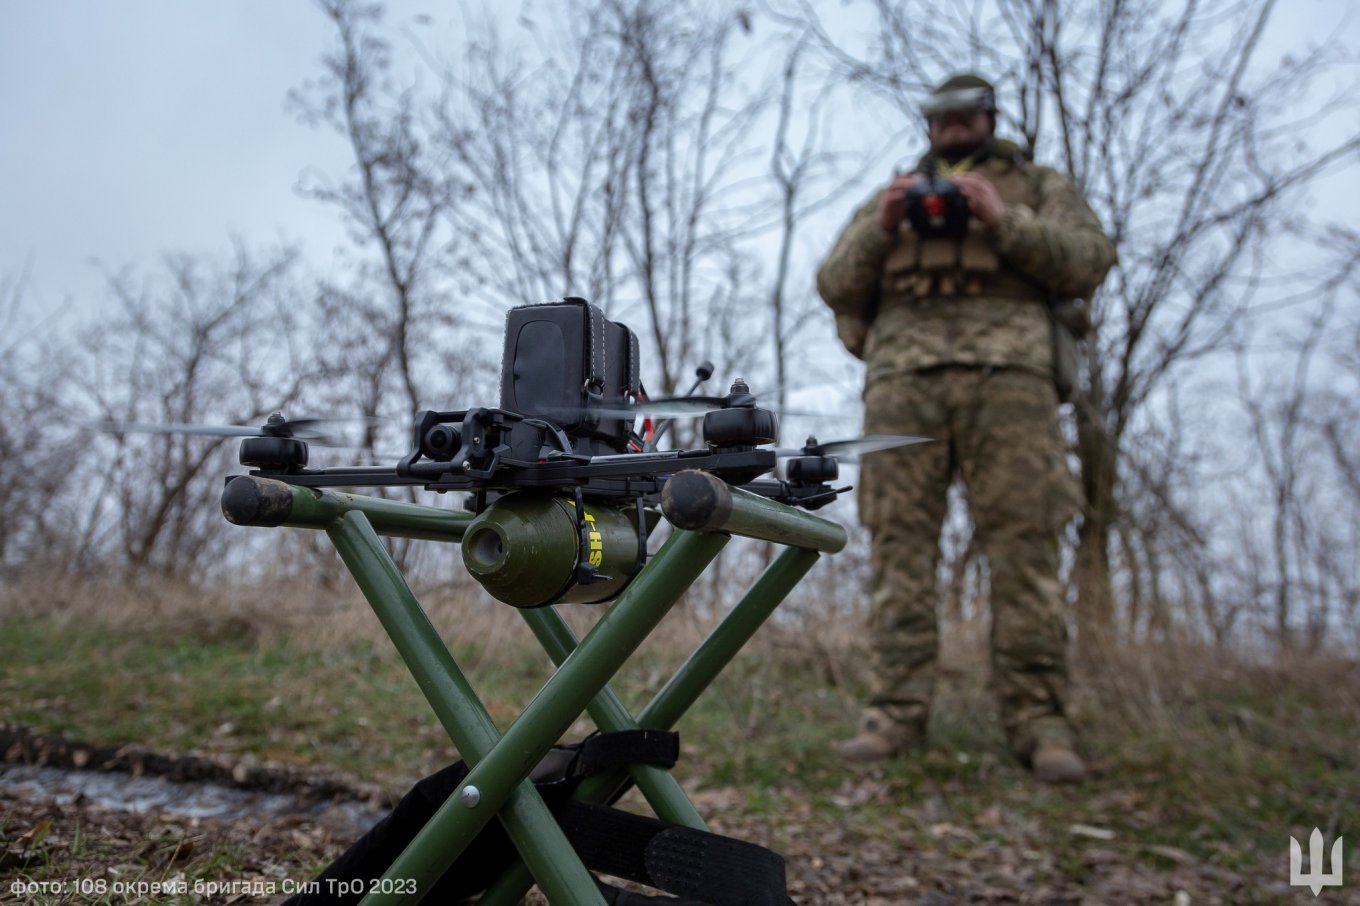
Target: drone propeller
(680, 406)
(303, 429)
(665, 407)
(852, 447)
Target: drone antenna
(701, 374)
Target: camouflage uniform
(957, 345)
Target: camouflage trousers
(998, 430)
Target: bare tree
(198, 343)
(1278, 423)
(611, 150)
(393, 335)
(611, 171)
(1335, 420)
(800, 169)
(40, 445)
(384, 320)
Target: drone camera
(441, 442)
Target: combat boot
(881, 737)
(1055, 762)
(867, 747)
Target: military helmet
(963, 92)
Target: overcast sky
(134, 127)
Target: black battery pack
(565, 361)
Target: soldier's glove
(1074, 314)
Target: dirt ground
(84, 852)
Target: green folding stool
(705, 513)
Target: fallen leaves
(1086, 830)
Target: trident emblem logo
(1316, 878)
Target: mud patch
(117, 791)
(21, 745)
(82, 823)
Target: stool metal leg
(605, 649)
(671, 703)
(527, 819)
(661, 790)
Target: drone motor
(273, 453)
(812, 469)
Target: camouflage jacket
(981, 301)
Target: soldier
(957, 340)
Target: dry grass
(1203, 761)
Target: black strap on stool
(708, 867)
(702, 868)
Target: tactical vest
(969, 266)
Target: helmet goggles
(960, 100)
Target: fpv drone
(564, 486)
